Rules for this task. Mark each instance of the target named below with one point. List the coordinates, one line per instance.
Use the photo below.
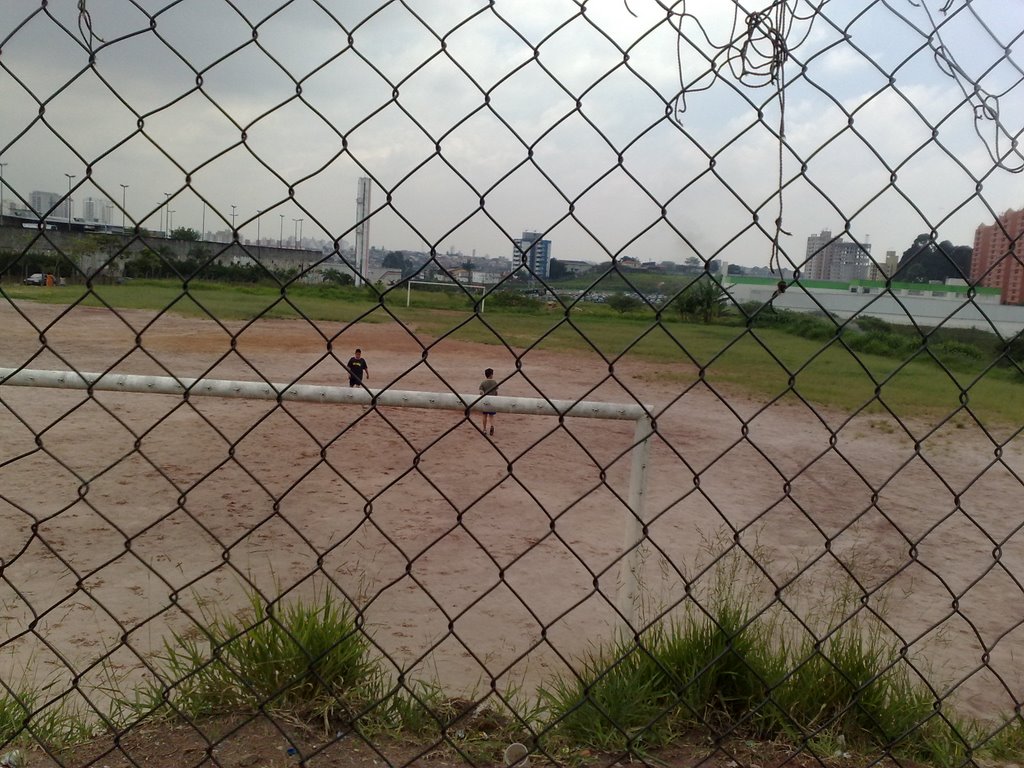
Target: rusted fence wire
(806, 546)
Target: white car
(37, 279)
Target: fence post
(635, 521)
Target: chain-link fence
(742, 488)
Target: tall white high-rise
(93, 210)
(42, 202)
(832, 258)
(362, 229)
(534, 253)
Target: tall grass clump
(24, 722)
(309, 659)
(15, 709)
(855, 689)
(1006, 742)
(729, 672)
(706, 669)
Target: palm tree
(703, 300)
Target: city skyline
(252, 234)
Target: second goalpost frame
(409, 284)
(635, 520)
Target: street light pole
(124, 204)
(280, 234)
(233, 218)
(300, 232)
(71, 209)
(170, 219)
(167, 204)
(295, 234)
(2, 192)
(258, 212)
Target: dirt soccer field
(471, 558)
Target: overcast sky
(527, 105)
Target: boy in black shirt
(357, 368)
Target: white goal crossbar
(450, 401)
(467, 286)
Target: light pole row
(163, 208)
(124, 204)
(2, 165)
(70, 206)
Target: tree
(925, 261)
(335, 277)
(184, 233)
(702, 300)
(395, 260)
(147, 263)
(558, 270)
(623, 302)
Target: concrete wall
(927, 311)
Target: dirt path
(472, 559)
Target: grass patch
(306, 658)
(727, 672)
(26, 720)
(726, 675)
(308, 661)
(881, 367)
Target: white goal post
(468, 286)
(314, 393)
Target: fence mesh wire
(826, 541)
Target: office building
(534, 253)
(42, 202)
(94, 210)
(998, 257)
(885, 270)
(832, 258)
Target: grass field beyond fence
(759, 358)
(835, 372)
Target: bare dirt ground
(474, 561)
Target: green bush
(811, 327)
(758, 315)
(881, 343)
(624, 302)
(954, 352)
(513, 300)
(869, 324)
(1011, 352)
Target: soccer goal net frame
(466, 286)
(633, 529)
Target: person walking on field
(357, 368)
(488, 387)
